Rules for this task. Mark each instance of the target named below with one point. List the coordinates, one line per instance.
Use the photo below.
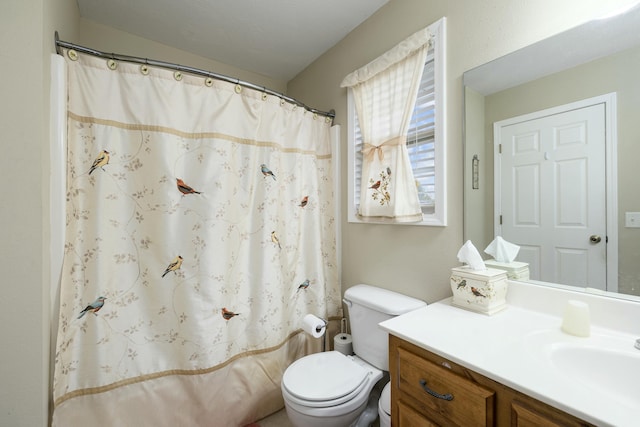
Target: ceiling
(274, 38)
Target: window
(425, 140)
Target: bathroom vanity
(478, 401)
(451, 366)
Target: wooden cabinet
(429, 390)
(409, 417)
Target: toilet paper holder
(343, 325)
(324, 334)
(318, 328)
(343, 342)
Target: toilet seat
(325, 379)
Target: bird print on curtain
(266, 171)
(380, 187)
(102, 159)
(175, 264)
(184, 188)
(228, 314)
(94, 307)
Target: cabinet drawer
(409, 417)
(467, 403)
(521, 416)
(527, 412)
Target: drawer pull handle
(435, 394)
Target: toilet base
(298, 419)
(384, 406)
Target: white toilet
(330, 389)
(384, 406)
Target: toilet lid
(323, 376)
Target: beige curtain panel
(200, 232)
(385, 92)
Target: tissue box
(515, 270)
(483, 291)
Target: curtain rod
(171, 66)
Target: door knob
(594, 238)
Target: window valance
(398, 53)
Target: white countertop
(503, 347)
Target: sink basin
(611, 371)
(603, 363)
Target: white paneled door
(551, 193)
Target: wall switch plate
(632, 219)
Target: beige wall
(26, 42)
(22, 371)
(410, 259)
(617, 73)
(109, 39)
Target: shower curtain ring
(144, 68)
(111, 63)
(177, 74)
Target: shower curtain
(200, 231)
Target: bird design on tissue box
(480, 291)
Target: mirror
(594, 59)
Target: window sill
(427, 221)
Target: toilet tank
(367, 307)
